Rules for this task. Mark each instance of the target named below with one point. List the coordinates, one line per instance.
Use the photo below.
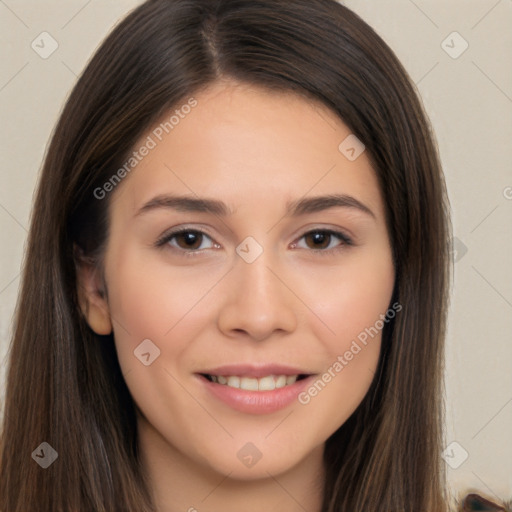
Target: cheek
(351, 298)
(152, 300)
(351, 301)
(353, 309)
(335, 394)
(161, 304)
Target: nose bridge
(257, 302)
(256, 284)
(252, 268)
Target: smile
(251, 390)
(266, 383)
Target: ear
(91, 294)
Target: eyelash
(167, 237)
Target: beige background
(469, 100)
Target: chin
(261, 470)
(247, 462)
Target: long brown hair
(64, 383)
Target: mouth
(248, 383)
(254, 388)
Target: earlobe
(92, 297)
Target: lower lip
(257, 402)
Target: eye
(190, 241)
(324, 240)
(187, 240)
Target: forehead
(250, 146)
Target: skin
(255, 150)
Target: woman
(295, 360)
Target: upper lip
(255, 371)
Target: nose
(256, 301)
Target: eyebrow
(295, 208)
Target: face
(246, 252)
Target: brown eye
(189, 239)
(319, 239)
(186, 240)
(324, 240)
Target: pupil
(190, 238)
(318, 238)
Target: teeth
(233, 382)
(249, 384)
(291, 379)
(282, 380)
(267, 383)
